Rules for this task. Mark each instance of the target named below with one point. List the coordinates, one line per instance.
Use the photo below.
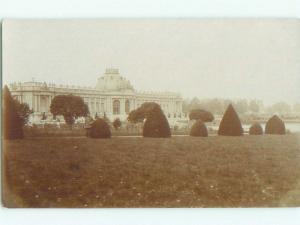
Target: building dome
(112, 81)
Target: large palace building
(113, 96)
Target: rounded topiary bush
(199, 129)
(256, 129)
(275, 126)
(200, 114)
(230, 124)
(156, 124)
(99, 129)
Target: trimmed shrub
(230, 124)
(275, 126)
(256, 129)
(156, 124)
(199, 129)
(99, 129)
(200, 114)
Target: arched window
(116, 107)
(127, 106)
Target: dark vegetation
(199, 129)
(256, 129)
(230, 124)
(69, 106)
(200, 114)
(275, 126)
(117, 123)
(15, 116)
(99, 129)
(156, 124)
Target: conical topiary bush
(199, 129)
(256, 129)
(230, 124)
(275, 126)
(99, 129)
(156, 124)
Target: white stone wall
(39, 95)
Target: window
(127, 106)
(116, 107)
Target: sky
(206, 58)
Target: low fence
(63, 130)
(46, 131)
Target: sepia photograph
(151, 113)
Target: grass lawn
(248, 171)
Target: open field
(248, 171)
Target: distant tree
(226, 103)
(69, 106)
(200, 114)
(279, 108)
(296, 108)
(195, 104)
(117, 123)
(99, 129)
(12, 122)
(214, 105)
(186, 105)
(199, 129)
(256, 129)
(241, 106)
(275, 126)
(254, 106)
(230, 124)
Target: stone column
(32, 102)
(122, 106)
(107, 106)
(110, 103)
(90, 106)
(37, 103)
(96, 105)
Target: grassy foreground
(249, 171)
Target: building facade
(112, 95)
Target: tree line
(217, 106)
(71, 107)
